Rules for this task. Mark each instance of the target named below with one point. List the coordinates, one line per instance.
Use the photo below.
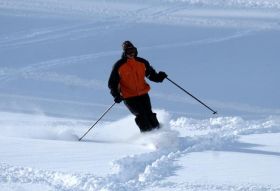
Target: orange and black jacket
(127, 78)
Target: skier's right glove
(118, 99)
(161, 76)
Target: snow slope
(159, 160)
(62, 45)
(55, 58)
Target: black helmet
(129, 49)
(127, 45)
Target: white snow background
(55, 60)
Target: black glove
(118, 99)
(161, 76)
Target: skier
(127, 83)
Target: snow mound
(158, 139)
(30, 126)
(112, 131)
(226, 125)
(56, 180)
(140, 171)
(32, 179)
(22, 178)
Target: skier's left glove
(161, 76)
(118, 99)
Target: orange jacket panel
(132, 79)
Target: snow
(218, 155)
(56, 56)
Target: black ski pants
(140, 106)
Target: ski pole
(214, 112)
(98, 120)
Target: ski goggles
(130, 51)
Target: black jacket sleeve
(114, 80)
(151, 73)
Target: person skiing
(127, 83)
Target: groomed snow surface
(55, 59)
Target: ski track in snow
(55, 33)
(35, 71)
(169, 11)
(137, 172)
